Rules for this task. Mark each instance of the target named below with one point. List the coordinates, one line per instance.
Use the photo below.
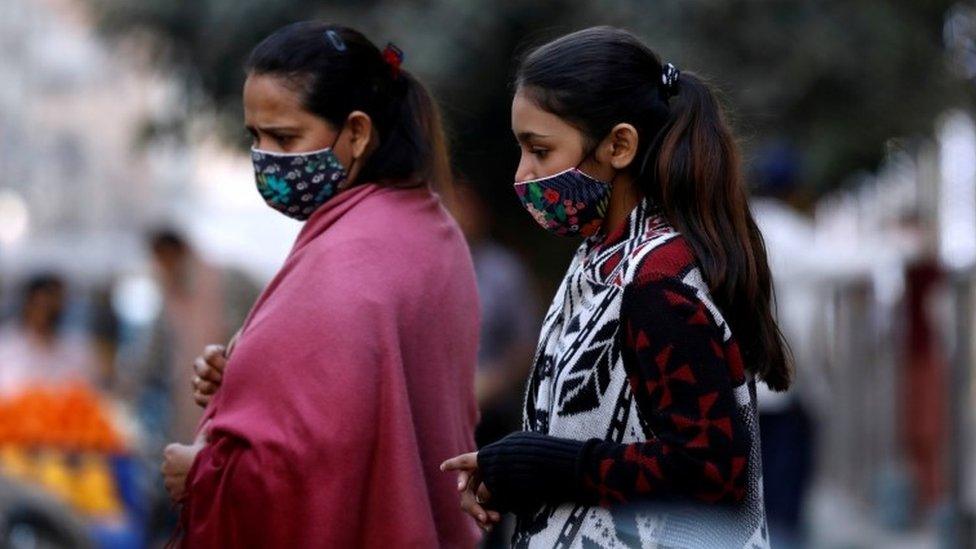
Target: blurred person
(785, 418)
(202, 303)
(640, 423)
(508, 329)
(508, 319)
(353, 376)
(106, 330)
(34, 349)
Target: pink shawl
(352, 380)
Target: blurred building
(890, 271)
(90, 157)
(76, 183)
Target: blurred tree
(838, 79)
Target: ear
(621, 146)
(360, 128)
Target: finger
(216, 361)
(170, 451)
(464, 477)
(482, 493)
(494, 517)
(463, 461)
(211, 352)
(471, 507)
(178, 454)
(172, 483)
(205, 370)
(201, 399)
(168, 467)
(219, 362)
(204, 386)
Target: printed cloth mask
(297, 184)
(568, 203)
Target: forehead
(529, 118)
(269, 98)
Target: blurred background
(131, 235)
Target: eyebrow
(526, 136)
(273, 128)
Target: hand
(474, 493)
(177, 460)
(209, 368)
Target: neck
(623, 199)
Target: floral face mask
(568, 203)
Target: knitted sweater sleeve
(683, 374)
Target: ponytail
(699, 186)
(415, 147)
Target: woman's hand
(474, 494)
(209, 368)
(177, 460)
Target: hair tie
(393, 56)
(669, 80)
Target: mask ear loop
(585, 158)
(351, 164)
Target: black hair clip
(337, 42)
(393, 56)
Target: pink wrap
(352, 380)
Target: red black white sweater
(640, 421)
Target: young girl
(352, 377)
(640, 422)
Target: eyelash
(534, 151)
(281, 139)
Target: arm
(683, 377)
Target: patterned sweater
(640, 424)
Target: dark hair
(687, 162)
(338, 71)
(166, 238)
(42, 282)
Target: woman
(352, 377)
(640, 422)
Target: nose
(524, 170)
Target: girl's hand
(209, 368)
(474, 494)
(177, 460)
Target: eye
(283, 140)
(540, 153)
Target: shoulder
(668, 256)
(657, 256)
(665, 275)
(396, 239)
